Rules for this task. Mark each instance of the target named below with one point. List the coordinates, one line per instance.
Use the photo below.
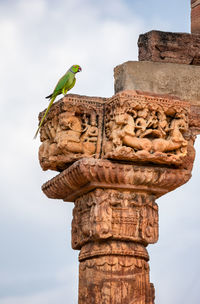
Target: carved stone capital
(130, 126)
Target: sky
(39, 41)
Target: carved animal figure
(65, 83)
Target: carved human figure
(69, 136)
(90, 130)
(90, 134)
(64, 139)
(101, 215)
(69, 133)
(175, 141)
(125, 133)
(48, 147)
(141, 122)
(155, 125)
(152, 131)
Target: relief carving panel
(130, 126)
(146, 128)
(72, 131)
(123, 215)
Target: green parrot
(64, 84)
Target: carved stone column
(114, 219)
(112, 229)
(117, 155)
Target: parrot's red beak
(79, 69)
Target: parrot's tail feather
(36, 133)
(45, 114)
(49, 96)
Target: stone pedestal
(116, 156)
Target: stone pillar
(112, 229)
(116, 156)
(195, 16)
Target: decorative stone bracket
(117, 155)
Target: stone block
(160, 46)
(180, 80)
(195, 16)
